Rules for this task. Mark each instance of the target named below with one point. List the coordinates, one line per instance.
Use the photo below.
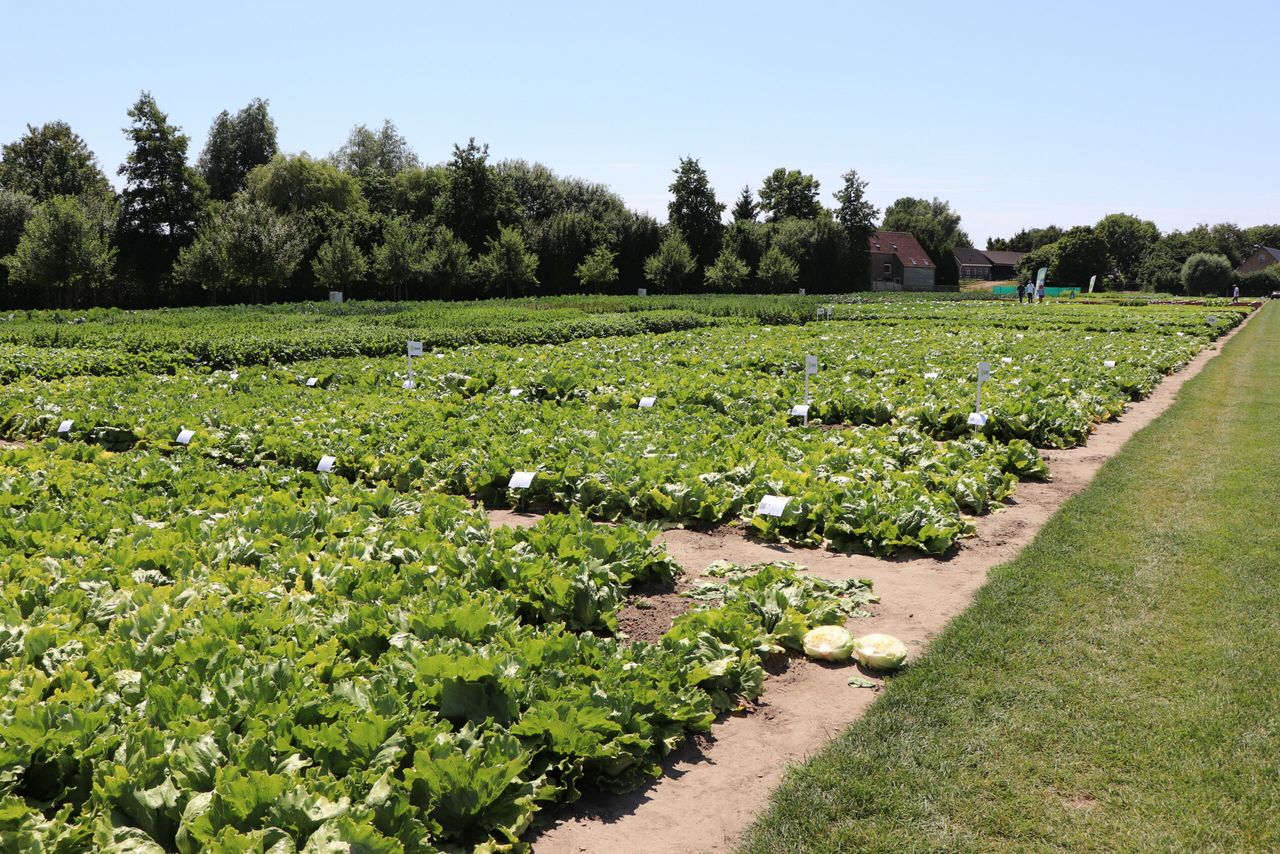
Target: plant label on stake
(810, 368)
(521, 480)
(931, 375)
(311, 382)
(978, 418)
(802, 292)
(65, 427)
(1109, 363)
(772, 505)
(414, 349)
(648, 402)
(326, 463)
(185, 436)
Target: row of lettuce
(201, 658)
(53, 344)
(904, 469)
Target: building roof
(970, 257)
(902, 244)
(1265, 258)
(1003, 258)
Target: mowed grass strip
(1114, 688)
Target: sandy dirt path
(713, 790)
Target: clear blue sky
(1019, 113)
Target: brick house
(899, 263)
(1260, 258)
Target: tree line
(246, 222)
(1129, 253)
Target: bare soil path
(714, 788)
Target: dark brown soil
(651, 608)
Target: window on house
(888, 269)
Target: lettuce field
(252, 601)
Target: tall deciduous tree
(162, 195)
(745, 208)
(790, 193)
(63, 254)
(51, 160)
(1080, 255)
(244, 251)
(1026, 240)
(339, 263)
(508, 268)
(297, 184)
(1127, 239)
(235, 146)
(597, 272)
(858, 216)
(671, 266)
(1207, 274)
(448, 263)
(728, 273)
(478, 199)
(383, 151)
(777, 272)
(694, 212)
(16, 208)
(1159, 271)
(400, 261)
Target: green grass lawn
(1114, 688)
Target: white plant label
(185, 436)
(521, 480)
(234, 375)
(408, 384)
(772, 505)
(810, 364)
(415, 348)
(1109, 363)
(65, 426)
(516, 392)
(326, 463)
(932, 375)
(1006, 360)
(335, 296)
(311, 382)
(977, 419)
(802, 292)
(800, 410)
(648, 402)
(819, 313)
(984, 371)
(644, 292)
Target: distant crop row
(888, 460)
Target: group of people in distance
(1031, 291)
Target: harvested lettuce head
(829, 643)
(881, 652)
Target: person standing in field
(1022, 290)
(1040, 291)
(1235, 292)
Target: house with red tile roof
(899, 263)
